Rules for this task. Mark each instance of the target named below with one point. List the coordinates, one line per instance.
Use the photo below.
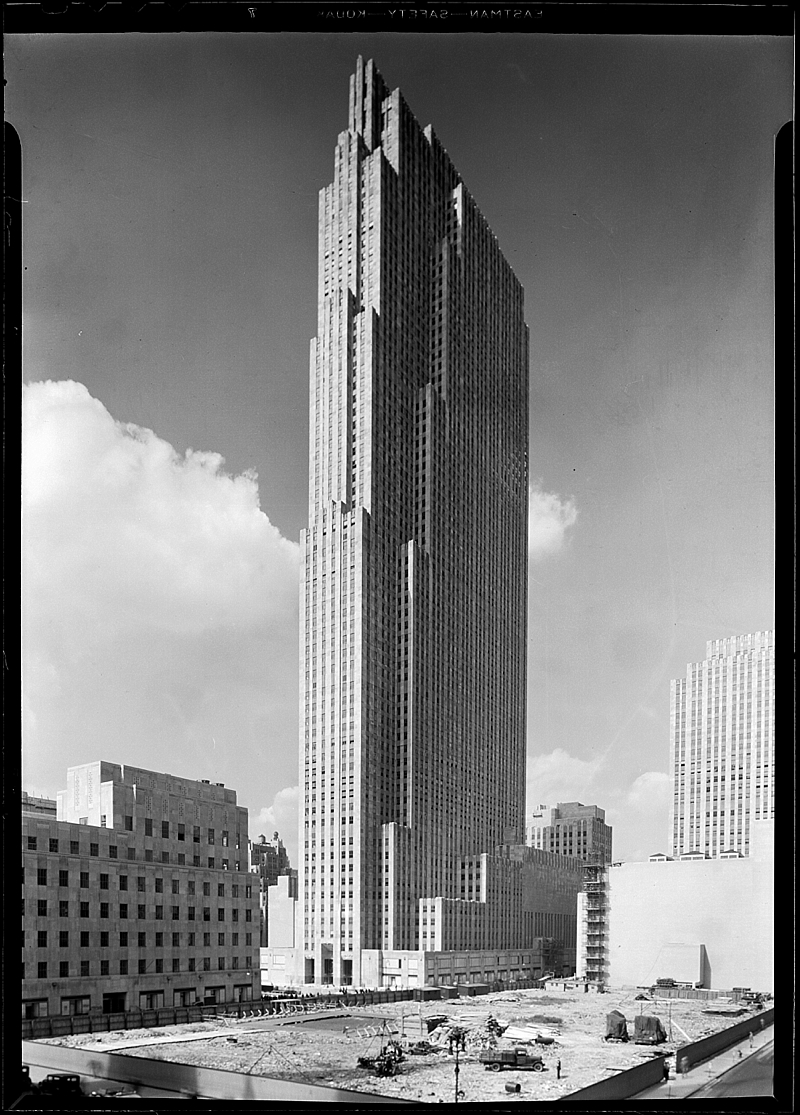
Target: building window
(63, 969)
(41, 939)
(176, 913)
(94, 849)
(53, 845)
(41, 969)
(181, 832)
(220, 914)
(41, 907)
(141, 912)
(112, 851)
(63, 878)
(31, 843)
(142, 967)
(123, 940)
(207, 888)
(123, 967)
(141, 939)
(159, 886)
(206, 913)
(84, 910)
(191, 963)
(41, 877)
(103, 882)
(128, 824)
(84, 939)
(123, 882)
(140, 883)
(84, 880)
(104, 939)
(190, 913)
(74, 847)
(148, 826)
(103, 967)
(165, 830)
(206, 964)
(103, 909)
(159, 913)
(159, 965)
(123, 909)
(86, 967)
(63, 938)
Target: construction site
(527, 1044)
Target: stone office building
(137, 895)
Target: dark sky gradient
(170, 242)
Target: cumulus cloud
(549, 519)
(158, 603)
(650, 792)
(280, 817)
(559, 776)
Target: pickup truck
(493, 1060)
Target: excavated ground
(325, 1051)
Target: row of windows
(94, 849)
(63, 877)
(158, 911)
(144, 967)
(141, 885)
(126, 939)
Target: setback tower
(413, 596)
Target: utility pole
(456, 1074)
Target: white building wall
(725, 905)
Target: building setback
(413, 596)
(572, 829)
(722, 746)
(137, 895)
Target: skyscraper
(413, 598)
(722, 746)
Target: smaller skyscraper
(722, 746)
(571, 829)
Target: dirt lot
(326, 1051)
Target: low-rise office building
(137, 895)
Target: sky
(170, 189)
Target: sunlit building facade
(722, 747)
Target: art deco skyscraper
(722, 746)
(413, 601)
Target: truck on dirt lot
(493, 1060)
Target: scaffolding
(595, 927)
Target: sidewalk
(698, 1076)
